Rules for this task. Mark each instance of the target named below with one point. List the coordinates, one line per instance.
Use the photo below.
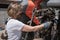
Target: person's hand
(47, 25)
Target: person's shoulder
(14, 20)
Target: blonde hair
(13, 8)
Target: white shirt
(13, 28)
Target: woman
(14, 27)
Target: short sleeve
(18, 25)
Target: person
(14, 27)
(27, 15)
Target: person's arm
(28, 28)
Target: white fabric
(13, 28)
